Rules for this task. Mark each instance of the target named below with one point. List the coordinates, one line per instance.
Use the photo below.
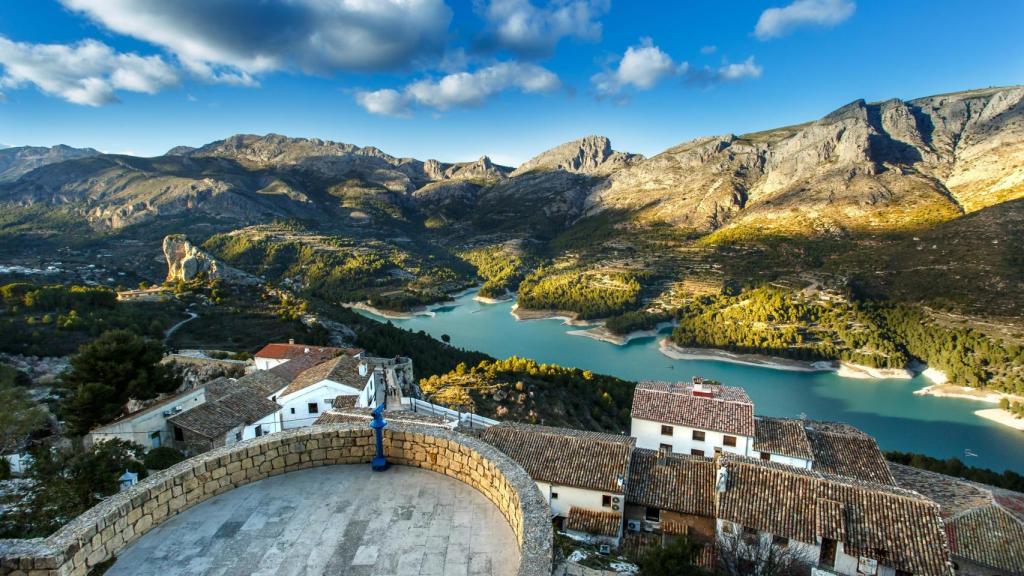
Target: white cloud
(709, 49)
(776, 22)
(641, 67)
(385, 102)
(746, 69)
(88, 72)
(645, 65)
(462, 89)
(230, 41)
(521, 27)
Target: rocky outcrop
(588, 155)
(186, 262)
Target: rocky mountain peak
(186, 262)
(588, 155)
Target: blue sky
(455, 80)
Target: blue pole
(379, 462)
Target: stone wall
(103, 531)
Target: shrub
(162, 457)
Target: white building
(581, 474)
(148, 426)
(699, 418)
(782, 440)
(241, 413)
(275, 354)
(313, 391)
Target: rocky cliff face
(866, 165)
(592, 155)
(186, 262)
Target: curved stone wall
(103, 531)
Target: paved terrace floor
(332, 520)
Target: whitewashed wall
(648, 435)
(295, 406)
(569, 496)
(268, 363)
(787, 460)
(139, 426)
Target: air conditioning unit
(615, 499)
(615, 507)
(177, 409)
(633, 525)
(167, 413)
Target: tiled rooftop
(683, 484)
(898, 527)
(989, 536)
(846, 451)
(341, 415)
(564, 456)
(593, 522)
(216, 417)
(722, 408)
(342, 369)
(287, 351)
(785, 437)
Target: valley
(882, 234)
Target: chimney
(662, 456)
(291, 340)
(722, 479)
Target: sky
(455, 80)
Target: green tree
(106, 373)
(674, 559)
(162, 457)
(19, 418)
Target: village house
(148, 426)
(840, 525)
(239, 413)
(984, 524)
(313, 391)
(700, 418)
(581, 474)
(278, 353)
(672, 495)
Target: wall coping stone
(53, 555)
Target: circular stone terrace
(333, 520)
(305, 501)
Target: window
(293, 410)
(554, 495)
(780, 541)
(238, 436)
(179, 434)
(665, 447)
(766, 456)
(259, 430)
(653, 514)
(313, 407)
(729, 440)
(696, 452)
(718, 449)
(698, 435)
(828, 553)
(750, 535)
(606, 501)
(666, 430)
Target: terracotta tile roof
(214, 418)
(263, 381)
(365, 415)
(897, 527)
(954, 496)
(683, 484)
(344, 401)
(285, 351)
(846, 451)
(729, 410)
(782, 436)
(989, 536)
(980, 529)
(564, 456)
(292, 368)
(343, 370)
(593, 522)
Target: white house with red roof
(698, 418)
(275, 354)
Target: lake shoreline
(1000, 416)
(527, 314)
(605, 335)
(675, 352)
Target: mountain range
(863, 195)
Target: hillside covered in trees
(521, 390)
